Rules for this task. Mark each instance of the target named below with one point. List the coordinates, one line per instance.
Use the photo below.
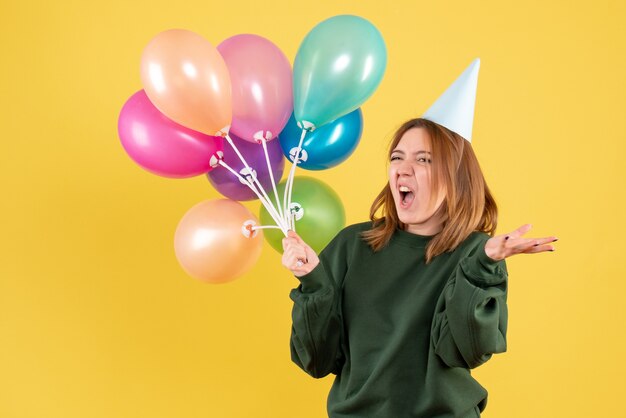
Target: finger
(300, 263)
(294, 235)
(295, 254)
(289, 242)
(539, 249)
(546, 240)
(300, 241)
(287, 245)
(519, 231)
(295, 267)
(518, 245)
(522, 244)
(298, 255)
(294, 264)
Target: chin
(407, 218)
(410, 221)
(410, 218)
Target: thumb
(292, 234)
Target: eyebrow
(415, 153)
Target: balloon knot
(247, 229)
(216, 158)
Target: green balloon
(339, 64)
(323, 215)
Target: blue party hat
(454, 109)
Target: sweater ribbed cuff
(314, 280)
(482, 270)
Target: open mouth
(406, 196)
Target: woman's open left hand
(506, 245)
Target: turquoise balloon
(339, 64)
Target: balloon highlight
(211, 243)
(325, 147)
(162, 146)
(339, 64)
(261, 86)
(187, 80)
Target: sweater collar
(409, 238)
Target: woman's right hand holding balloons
(298, 257)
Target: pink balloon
(262, 87)
(162, 146)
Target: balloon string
(266, 227)
(269, 207)
(269, 168)
(243, 160)
(289, 186)
(244, 180)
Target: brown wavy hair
(468, 205)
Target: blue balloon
(326, 146)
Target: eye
(395, 157)
(424, 159)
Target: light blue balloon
(327, 146)
(339, 64)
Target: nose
(405, 168)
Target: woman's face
(409, 179)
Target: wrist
(492, 254)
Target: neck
(423, 229)
(431, 226)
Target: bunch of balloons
(197, 98)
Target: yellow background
(97, 319)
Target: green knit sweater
(400, 336)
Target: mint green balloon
(338, 66)
(323, 215)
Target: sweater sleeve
(317, 324)
(471, 316)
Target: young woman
(402, 307)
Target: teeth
(404, 189)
